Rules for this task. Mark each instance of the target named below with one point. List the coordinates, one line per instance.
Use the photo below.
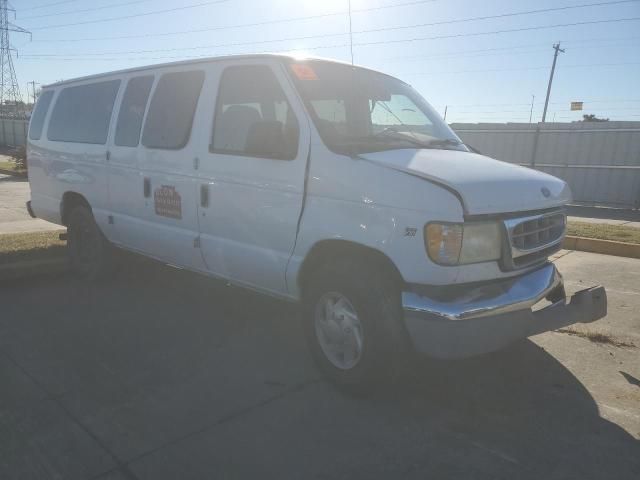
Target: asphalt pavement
(163, 374)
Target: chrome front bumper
(487, 317)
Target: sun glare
(326, 6)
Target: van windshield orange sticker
(303, 72)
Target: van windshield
(359, 111)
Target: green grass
(617, 233)
(15, 247)
(9, 165)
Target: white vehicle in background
(316, 182)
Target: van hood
(485, 185)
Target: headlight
(462, 243)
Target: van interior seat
(233, 127)
(266, 138)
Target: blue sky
(481, 76)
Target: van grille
(532, 239)
(538, 232)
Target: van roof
(196, 61)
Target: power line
(86, 10)
(371, 43)
(46, 5)
(242, 25)
(125, 17)
(599, 41)
(515, 69)
(610, 100)
(310, 17)
(502, 15)
(586, 65)
(485, 52)
(523, 112)
(497, 32)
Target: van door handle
(204, 195)
(147, 187)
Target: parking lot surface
(160, 373)
(14, 218)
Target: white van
(316, 182)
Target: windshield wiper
(391, 132)
(444, 142)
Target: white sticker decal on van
(167, 202)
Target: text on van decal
(167, 202)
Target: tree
(592, 118)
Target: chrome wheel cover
(338, 330)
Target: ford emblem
(545, 191)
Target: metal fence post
(534, 150)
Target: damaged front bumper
(487, 317)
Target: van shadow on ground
(181, 377)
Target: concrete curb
(606, 247)
(30, 268)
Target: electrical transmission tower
(11, 103)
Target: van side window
(170, 117)
(82, 114)
(253, 117)
(37, 119)
(132, 110)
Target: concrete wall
(13, 131)
(600, 161)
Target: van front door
(252, 176)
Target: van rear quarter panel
(57, 167)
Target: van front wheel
(88, 250)
(351, 323)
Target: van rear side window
(132, 110)
(170, 117)
(37, 120)
(82, 114)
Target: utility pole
(350, 33)
(33, 84)
(10, 98)
(533, 97)
(557, 49)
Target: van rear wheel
(352, 323)
(88, 250)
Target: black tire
(89, 252)
(376, 301)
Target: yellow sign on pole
(576, 106)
